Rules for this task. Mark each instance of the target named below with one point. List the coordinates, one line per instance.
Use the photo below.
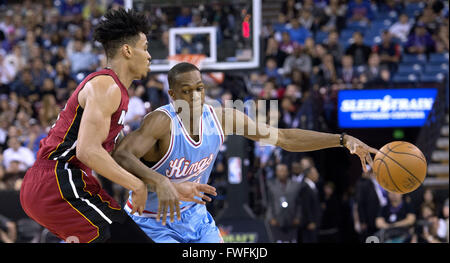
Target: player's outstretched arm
(100, 98)
(293, 140)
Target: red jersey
(61, 142)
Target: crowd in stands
(314, 49)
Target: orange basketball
(400, 167)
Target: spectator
(420, 41)
(80, 60)
(7, 70)
(442, 39)
(326, 72)
(300, 79)
(38, 72)
(290, 8)
(329, 226)
(334, 47)
(358, 50)
(388, 51)
(334, 18)
(372, 72)
(3, 130)
(428, 199)
(25, 88)
(310, 207)
(427, 227)
(283, 211)
(306, 19)
(347, 75)
(185, 18)
(279, 27)
(8, 231)
(305, 163)
(370, 197)
(49, 111)
(37, 133)
(18, 153)
(288, 112)
(298, 33)
(359, 11)
(271, 70)
(269, 91)
(401, 28)
(443, 230)
(298, 60)
(395, 219)
(136, 107)
(285, 48)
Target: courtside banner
(384, 108)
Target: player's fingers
(363, 163)
(369, 159)
(158, 215)
(373, 150)
(164, 211)
(206, 198)
(207, 189)
(177, 205)
(198, 201)
(172, 211)
(133, 209)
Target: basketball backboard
(227, 32)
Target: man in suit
(283, 211)
(310, 206)
(369, 198)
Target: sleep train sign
(384, 108)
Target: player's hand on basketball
(188, 191)
(168, 200)
(359, 148)
(139, 197)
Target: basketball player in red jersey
(59, 191)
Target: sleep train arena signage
(384, 108)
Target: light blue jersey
(185, 160)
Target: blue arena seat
(438, 77)
(409, 58)
(438, 57)
(437, 68)
(405, 78)
(416, 68)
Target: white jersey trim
(172, 141)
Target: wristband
(341, 139)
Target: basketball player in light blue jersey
(181, 142)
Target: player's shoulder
(157, 119)
(102, 90)
(103, 82)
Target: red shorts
(68, 202)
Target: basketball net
(195, 59)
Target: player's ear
(126, 50)
(171, 93)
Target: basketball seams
(391, 150)
(401, 166)
(390, 176)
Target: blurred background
(377, 70)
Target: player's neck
(121, 71)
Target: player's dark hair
(179, 68)
(119, 27)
